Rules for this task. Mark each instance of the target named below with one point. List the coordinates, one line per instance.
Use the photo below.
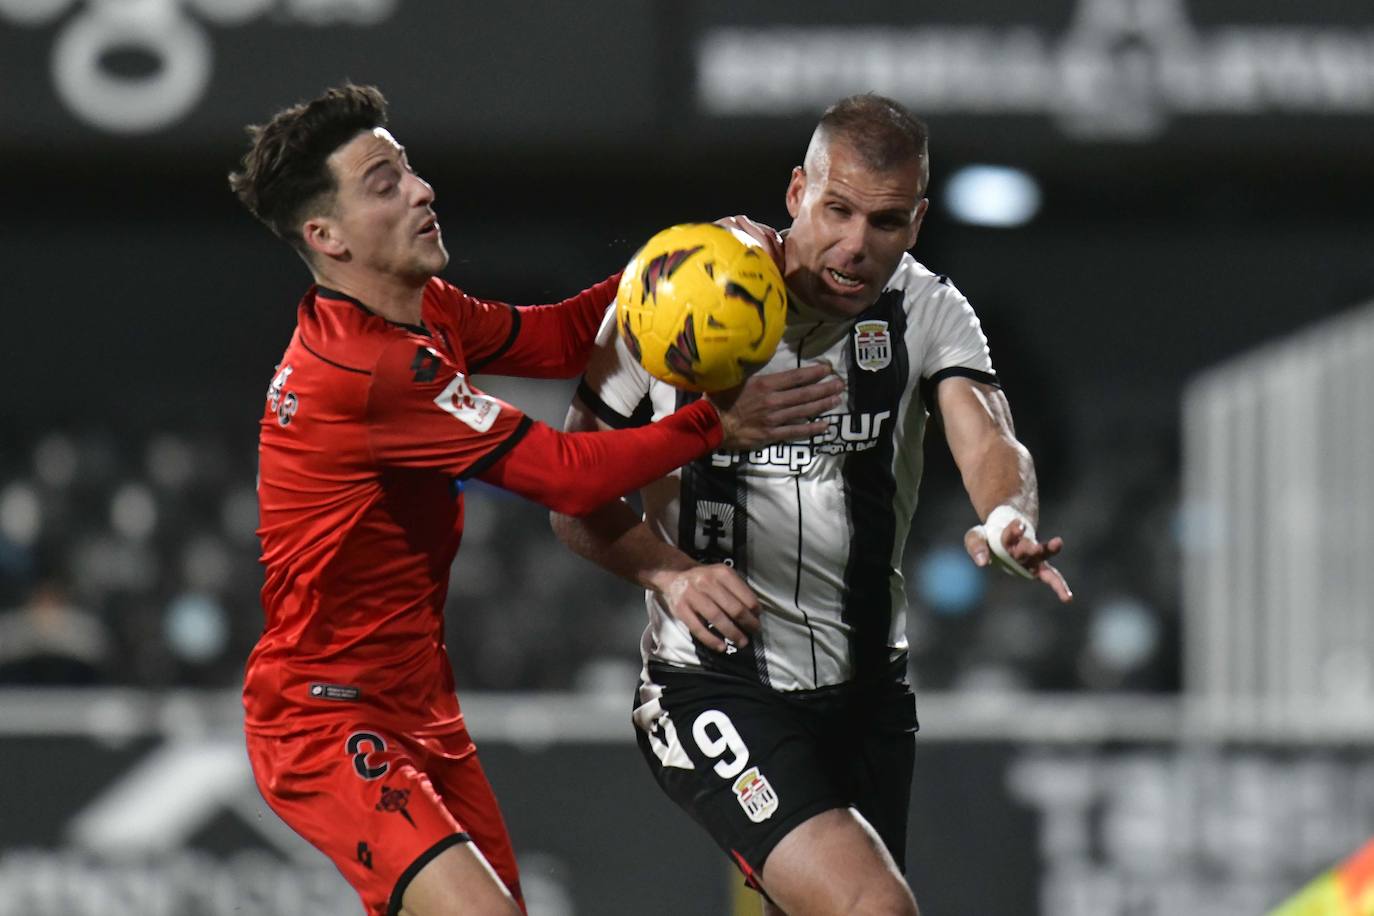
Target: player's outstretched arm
(711, 600)
(999, 476)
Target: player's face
(383, 211)
(850, 225)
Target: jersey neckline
(324, 292)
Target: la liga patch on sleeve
(472, 407)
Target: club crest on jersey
(872, 345)
(756, 795)
(472, 407)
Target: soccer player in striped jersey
(370, 428)
(773, 704)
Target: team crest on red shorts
(396, 800)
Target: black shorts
(750, 763)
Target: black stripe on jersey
(324, 359)
(869, 490)
(704, 484)
(643, 412)
(393, 906)
(928, 385)
(477, 364)
(496, 454)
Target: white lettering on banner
(1199, 831)
(124, 104)
(1121, 70)
(41, 882)
(164, 31)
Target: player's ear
(796, 187)
(321, 235)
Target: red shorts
(382, 804)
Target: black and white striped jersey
(817, 528)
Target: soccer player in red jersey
(371, 425)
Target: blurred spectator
(49, 641)
(145, 547)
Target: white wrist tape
(993, 528)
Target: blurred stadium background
(1159, 208)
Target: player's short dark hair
(881, 131)
(284, 176)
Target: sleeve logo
(281, 402)
(472, 407)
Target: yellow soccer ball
(701, 308)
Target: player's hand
(1032, 555)
(715, 604)
(767, 237)
(777, 406)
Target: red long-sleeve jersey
(368, 431)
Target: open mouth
(843, 280)
(428, 228)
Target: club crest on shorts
(872, 345)
(396, 800)
(756, 795)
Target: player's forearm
(615, 538)
(1002, 473)
(575, 473)
(555, 341)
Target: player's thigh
(359, 794)
(457, 882)
(878, 760)
(835, 864)
(453, 765)
(744, 763)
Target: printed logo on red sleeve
(472, 407)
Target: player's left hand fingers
(727, 614)
(724, 626)
(737, 593)
(722, 604)
(702, 634)
(720, 618)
